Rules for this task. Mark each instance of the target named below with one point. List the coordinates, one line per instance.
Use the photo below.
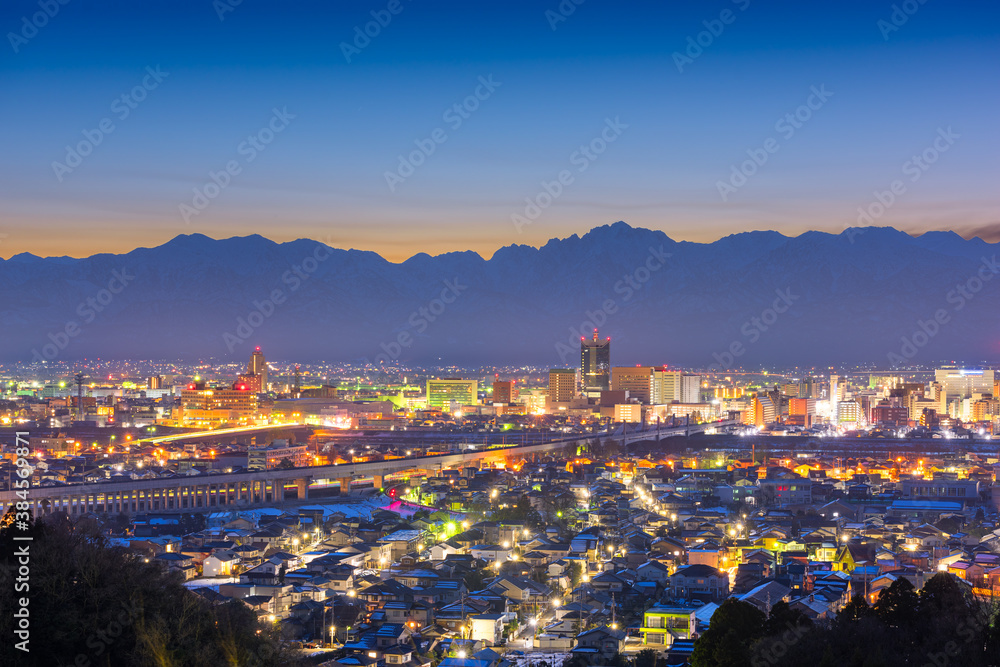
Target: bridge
(244, 490)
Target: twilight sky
(681, 126)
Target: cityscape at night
(555, 334)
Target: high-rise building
(764, 410)
(801, 411)
(562, 385)
(504, 391)
(984, 409)
(836, 389)
(849, 414)
(638, 381)
(690, 388)
(964, 382)
(669, 386)
(446, 392)
(205, 405)
(676, 387)
(888, 414)
(595, 364)
(802, 406)
(250, 382)
(155, 382)
(258, 366)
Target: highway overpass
(243, 490)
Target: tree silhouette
(735, 626)
(111, 607)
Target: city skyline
(307, 311)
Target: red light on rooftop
(191, 386)
(258, 348)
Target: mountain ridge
(857, 294)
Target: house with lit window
(662, 624)
(781, 492)
(601, 643)
(701, 582)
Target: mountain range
(751, 299)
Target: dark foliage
(943, 624)
(92, 604)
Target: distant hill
(853, 296)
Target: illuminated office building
(595, 364)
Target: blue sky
(323, 176)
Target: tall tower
(78, 378)
(258, 366)
(595, 364)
